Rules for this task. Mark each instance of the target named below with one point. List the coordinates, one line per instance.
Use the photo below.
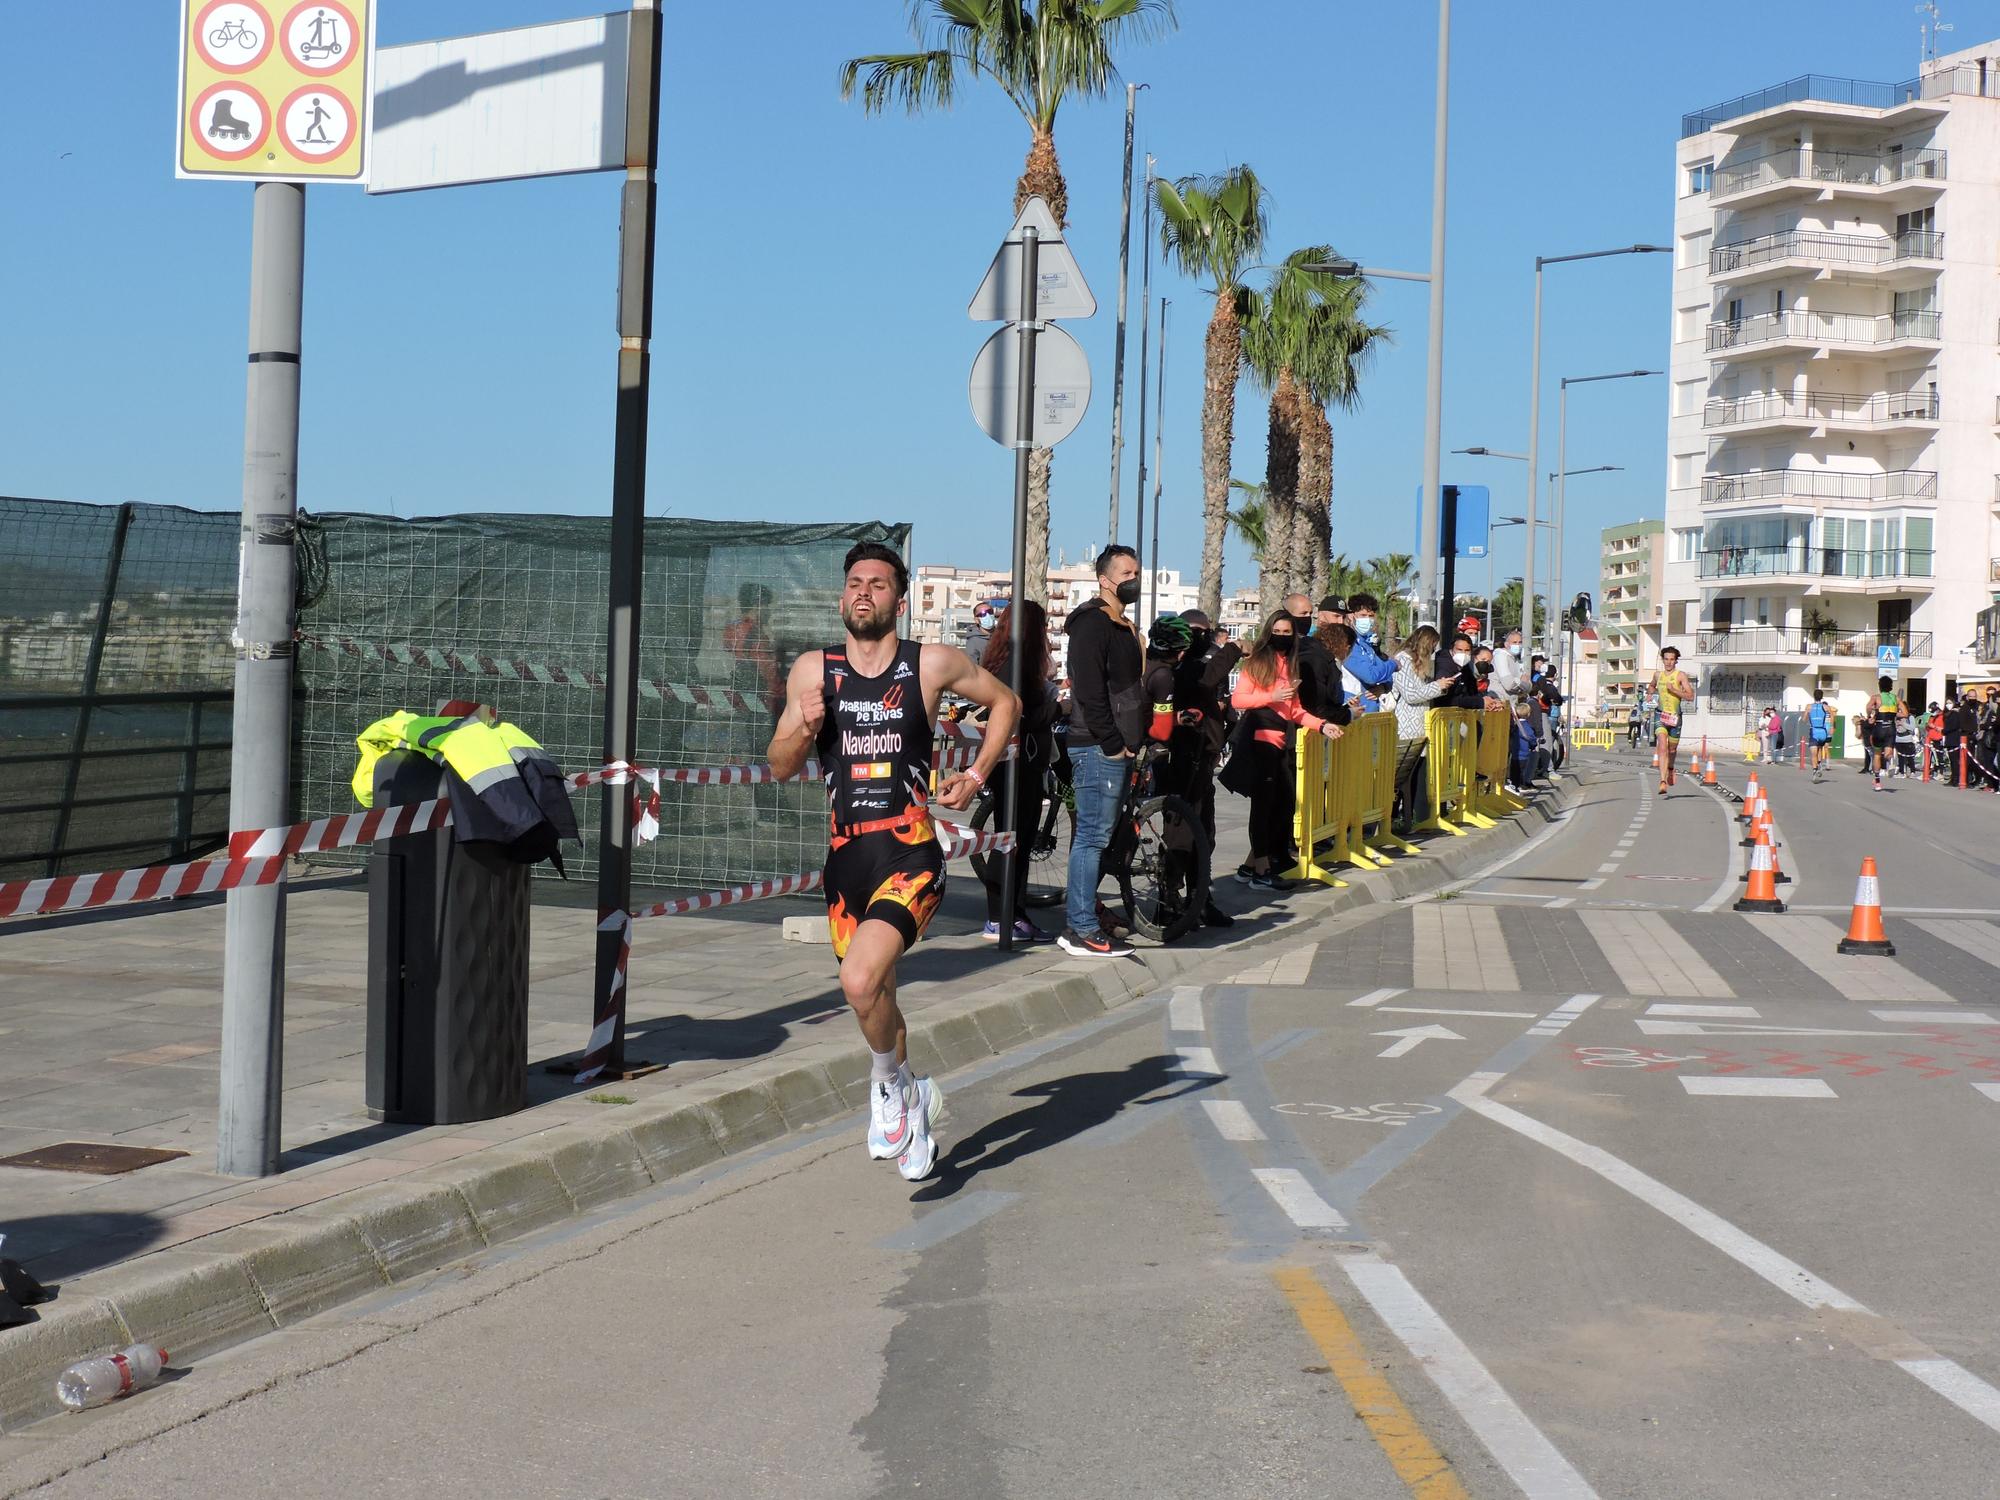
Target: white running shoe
(921, 1155)
(889, 1120)
(924, 1092)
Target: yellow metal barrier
(1492, 748)
(1593, 737)
(1454, 775)
(1345, 788)
(1316, 817)
(1369, 751)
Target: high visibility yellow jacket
(504, 788)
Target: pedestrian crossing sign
(1888, 660)
(275, 90)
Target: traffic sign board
(1888, 660)
(1061, 290)
(275, 95)
(1062, 385)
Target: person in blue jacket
(1365, 662)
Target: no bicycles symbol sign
(275, 90)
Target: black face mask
(1128, 591)
(1200, 639)
(1301, 624)
(1284, 645)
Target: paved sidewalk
(109, 1033)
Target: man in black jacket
(1106, 727)
(1201, 692)
(1320, 689)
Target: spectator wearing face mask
(1455, 668)
(1321, 690)
(1508, 680)
(1267, 696)
(1370, 668)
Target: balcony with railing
(1853, 93)
(1822, 250)
(1727, 564)
(1816, 168)
(1767, 643)
(1814, 330)
(1881, 409)
(1820, 484)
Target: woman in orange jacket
(1267, 695)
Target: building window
(1700, 177)
(1687, 543)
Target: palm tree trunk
(1223, 353)
(1281, 493)
(1313, 528)
(1040, 177)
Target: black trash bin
(447, 970)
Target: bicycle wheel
(1162, 868)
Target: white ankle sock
(881, 1065)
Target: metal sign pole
(606, 1049)
(1027, 326)
(1118, 346)
(253, 958)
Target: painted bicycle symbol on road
(1365, 1114)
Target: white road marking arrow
(1414, 1037)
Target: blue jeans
(1099, 780)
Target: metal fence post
(606, 1048)
(93, 665)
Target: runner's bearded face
(868, 605)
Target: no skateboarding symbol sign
(275, 93)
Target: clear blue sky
(811, 342)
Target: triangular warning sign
(1063, 293)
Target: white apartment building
(1834, 479)
(943, 599)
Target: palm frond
(1213, 226)
(918, 81)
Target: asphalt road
(1549, 1188)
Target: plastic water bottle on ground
(93, 1382)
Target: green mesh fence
(114, 721)
(115, 675)
(511, 610)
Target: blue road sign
(1474, 520)
(1888, 660)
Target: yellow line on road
(1409, 1449)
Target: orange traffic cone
(1656, 757)
(1763, 892)
(1749, 796)
(1753, 808)
(1708, 773)
(1864, 928)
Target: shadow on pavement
(54, 1246)
(1067, 1107)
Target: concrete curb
(236, 1284)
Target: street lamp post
(1535, 403)
(1562, 490)
(1527, 606)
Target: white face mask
(1461, 657)
(1364, 625)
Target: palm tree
(1250, 520)
(1281, 329)
(1344, 577)
(1390, 577)
(1337, 347)
(1213, 227)
(1036, 52)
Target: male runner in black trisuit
(867, 707)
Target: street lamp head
(1339, 266)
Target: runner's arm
(955, 672)
(805, 710)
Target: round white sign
(1062, 386)
(317, 124)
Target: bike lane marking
(1313, 1199)
(1232, 1120)
(1758, 1088)
(1965, 1390)
(1706, 1012)
(1184, 1009)
(1395, 1429)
